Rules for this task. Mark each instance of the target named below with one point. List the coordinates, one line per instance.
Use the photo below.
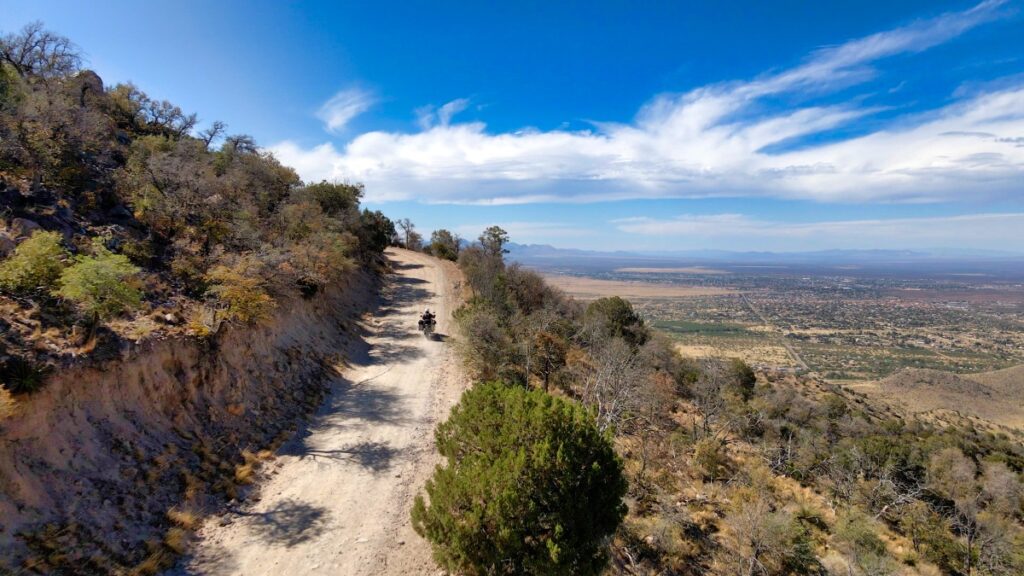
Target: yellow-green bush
(857, 536)
(35, 265)
(99, 284)
(322, 258)
(241, 290)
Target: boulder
(87, 84)
(23, 227)
(90, 80)
(167, 318)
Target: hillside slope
(123, 220)
(1008, 382)
(96, 465)
(173, 300)
(994, 396)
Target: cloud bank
(715, 140)
(732, 230)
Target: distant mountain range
(527, 253)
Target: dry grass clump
(186, 518)
(193, 485)
(177, 539)
(245, 473)
(7, 403)
(200, 322)
(157, 561)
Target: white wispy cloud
(714, 141)
(337, 112)
(427, 117)
(849, 62)
(449, 110)
(728, 230)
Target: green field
(681, 327)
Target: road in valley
(782, 335)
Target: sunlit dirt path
(336, 499)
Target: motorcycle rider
(426, 318)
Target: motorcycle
(427, 326)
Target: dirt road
(336, 499)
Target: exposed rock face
(88, 84)
(103, 451)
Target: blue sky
(723, 125)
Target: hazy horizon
(932, 251)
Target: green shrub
(10, 87)
(99, 284)
(858, 537)
(709, 454)
(444, 244)
(530, 486)
(335, 199)
(761, 540)
(487, 349)
(375, 231)
(616, 317)
(298, 221)
(744, 377)
(930, 535)
(190, 269)
(35, 265)
(141, 252)
(321, 259)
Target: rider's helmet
(426, 310)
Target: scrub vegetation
(732, 470)
(122, 216)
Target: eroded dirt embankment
(100, 470)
